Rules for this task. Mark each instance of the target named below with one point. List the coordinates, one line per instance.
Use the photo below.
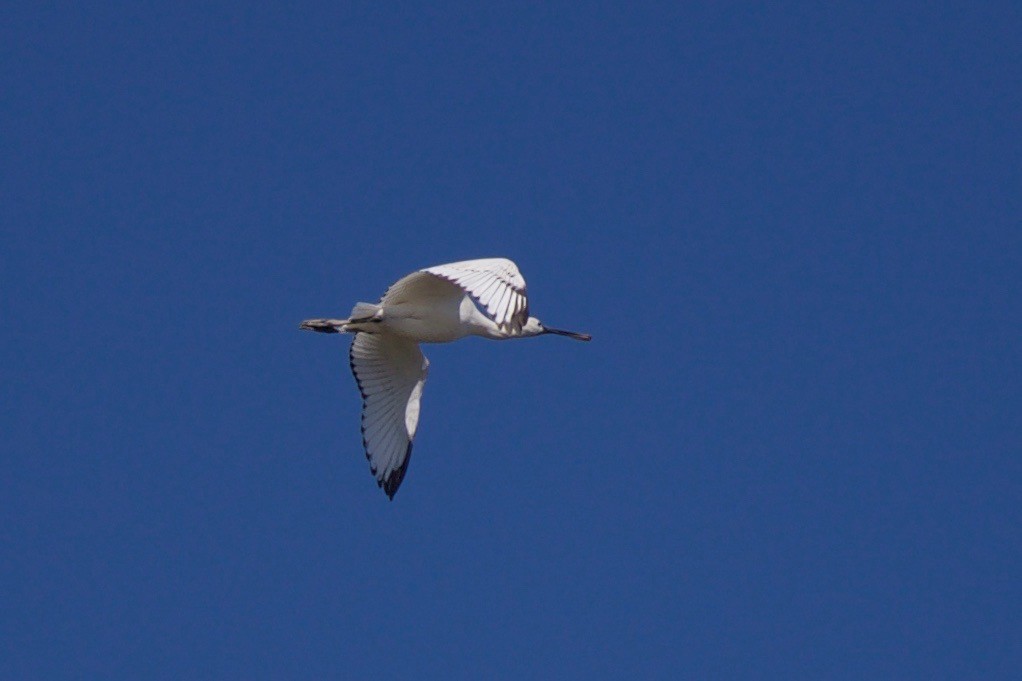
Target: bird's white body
(439, 319)
(436, 305)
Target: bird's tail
(363, 312)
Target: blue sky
(790, 452)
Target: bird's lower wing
(390, 372)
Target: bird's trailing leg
(324, 325)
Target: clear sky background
(792, 450)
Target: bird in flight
(435, 305)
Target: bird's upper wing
(495, 284)
(390, 372)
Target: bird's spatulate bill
(570, 334)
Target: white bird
(435, 305)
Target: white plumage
(496, 284)
(435, 305)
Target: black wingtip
(393, 481)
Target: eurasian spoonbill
(435, 305)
